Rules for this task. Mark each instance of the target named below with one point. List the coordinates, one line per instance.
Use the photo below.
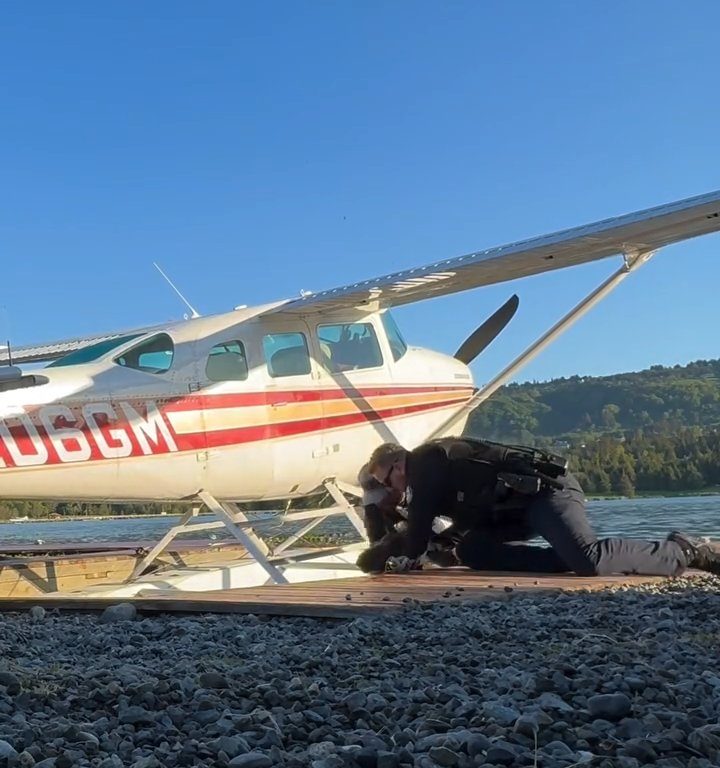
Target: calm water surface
(637, 518)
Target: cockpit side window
(398, 347)
(154, 355)
(286, 354)
(349, 346)
(227, 362)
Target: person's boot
(698, 553)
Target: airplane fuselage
(243, 407)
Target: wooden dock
(33, 570)
(342, 598)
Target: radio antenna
(194, 313)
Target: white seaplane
(280, 400)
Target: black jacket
(458, 478)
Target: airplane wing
(642, 231)
(645, 230)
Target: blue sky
(256, 149)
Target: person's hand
(402, 564)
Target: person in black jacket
(494, 511)
(385, 522)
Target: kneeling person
(435, 479)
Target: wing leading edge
(645, 230)
(37, 353)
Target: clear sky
(255, 149)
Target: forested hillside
(658, 398)
(654, 430)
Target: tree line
(686, 460)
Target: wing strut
(631, 262)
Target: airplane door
(230, 397)
(357, 375)
(293, 407)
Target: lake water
(637, 518)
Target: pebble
(120, 612)
(7, 751)
(251, 760)
(610, 706)
(565, 679)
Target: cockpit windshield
(398, 347)
(93, 351)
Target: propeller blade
(479, 339)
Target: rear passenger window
(349, 346)
(227, 362)
(286, 354)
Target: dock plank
(343, 598)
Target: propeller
(480, 338)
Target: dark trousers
(559, 517)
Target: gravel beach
(612, 679)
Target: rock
(7, 751)
(477, 744)
(119, 612)
(375, 702)
(558, 749)
(640, 748)
(625, 761)
(146, 762)
(501, 752)
(444, 756)
(553, 701)
(706, 739)
(354, 700)
(213, 680)
(500, 714)
(135, 715)
(332, 761)
(609, 706)
(111, 762)
(207, 716)
(321, 749)
(388, 760)
(232, 746)
(26, 760)
(428, 742)
(526, 725)
(86, 738)
(365, 758)
(251, 760)
(11, 682)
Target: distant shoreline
(715, 491)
